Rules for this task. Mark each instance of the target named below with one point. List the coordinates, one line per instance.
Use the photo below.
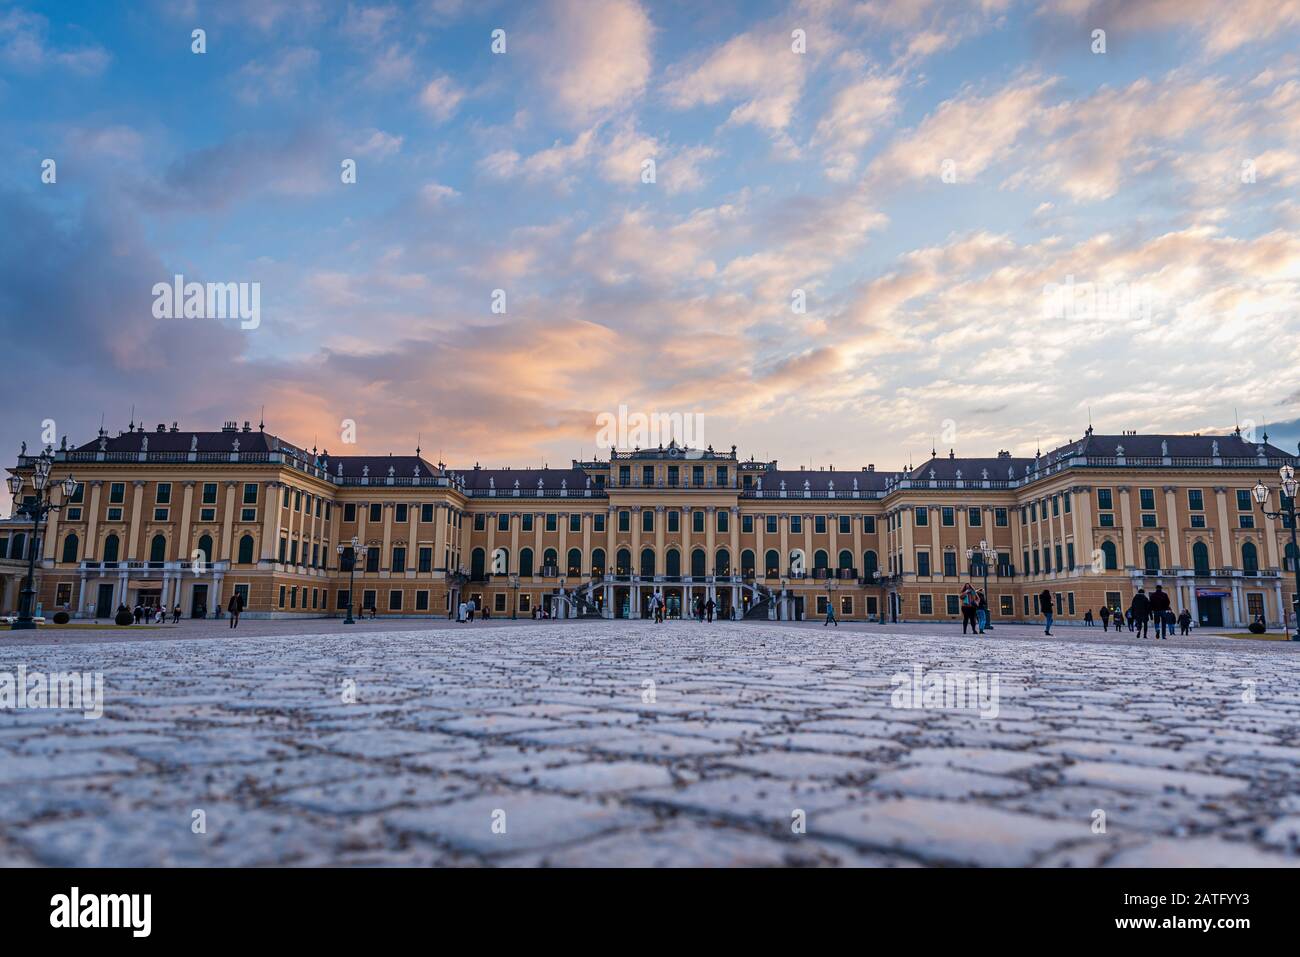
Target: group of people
(702, 610)
(974, 609)
(149, 613)
(1143, 612)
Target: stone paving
(631, 744)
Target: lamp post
(37, 509)
(358, 551)
(514, 605)
(986, 554)
(1287, 510)
(784, 599)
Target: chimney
(871, 467)
(175, 428)
(162, 426)
(247, 427)
(229, 427)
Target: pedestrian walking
(1140, 609)
(708, 610)
(969, 609)
(1087, 618)
(235, 606)
(1185, 621)
(176, 613)
(830, 613)
(1047, 608)
(1160, 612)
(1105, 618)
(138, 612)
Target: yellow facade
(201, 515)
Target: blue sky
(777, 171)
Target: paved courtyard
(627, 743)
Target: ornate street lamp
(40, 506)
(358, 552)
(986, 555)
(514, 606)
(1288, 486)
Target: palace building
(191, 518)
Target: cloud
(592, 57)
(440, 98)
(973, 131)
(757, 70)
(856, 110)
(280, 79)
(1222, 28)
(24, 46)
(378, 144)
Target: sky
(830, 232)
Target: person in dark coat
(1105, 618)
(1140, 609)
(1159, 609)
(708, 609)
(1048, 610)
(1185, 621)
(235, 606)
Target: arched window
(1250, 559)
(158, 549)
(1109, 556)
(798, 562)
(870, 563)
(477, 564)
(772, 563)
(722, 564)
(574, 563)
(246, 546)
(205, 546)
(70, 548)
(1151, 557)
(821, 559)
(647, 563)
(747, 563)
(16, 549)
(526, 562)
(623, 562)
(1200, 558)
(673, 563)
(598, 562)
(698, 563)
(500, 561)
(846, 558)
(111, 547)
(550, 561)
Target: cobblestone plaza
(625, 743)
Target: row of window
(952, 604)
(71, 553)
(648, 564)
